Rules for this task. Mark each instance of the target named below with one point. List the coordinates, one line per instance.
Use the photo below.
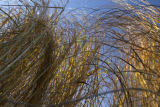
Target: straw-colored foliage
(45, 59)
(111, 60)
(136, 33)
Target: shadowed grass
(43, 61)
(46, 59)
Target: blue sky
(84, 3)
(88, 3)
(155, 2)
(98, 3)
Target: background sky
(99, 3)
(89, 3)
(84, 3)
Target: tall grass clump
(45, 59)
(133, 33)
(53, 59)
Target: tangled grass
(48, 60)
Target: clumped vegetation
(112, 59)
(135, 32)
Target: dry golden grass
(135, 33)
(46, 59)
